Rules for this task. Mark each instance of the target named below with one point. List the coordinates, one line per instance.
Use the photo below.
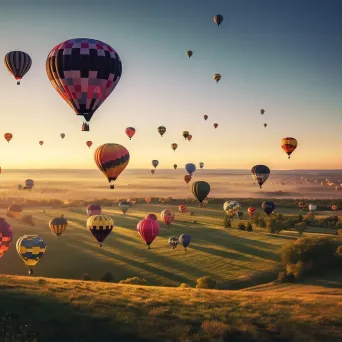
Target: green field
(224, 254)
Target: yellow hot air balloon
(57, 225)
(31, 249)
(100, 226)
(217, 77)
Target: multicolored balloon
(251, 211)
(174, 146)
(18, 63)
(183, 208)
(218, 18)
(111, 159)
(200, 190)
(84, 72)
(94, 209)
(189, 53)
(57, 225)
(148, 230)
(167, 216)
(185, 240)
(289, 145)
(231, 208)
(31, 249)
(217, 77)
(173, 242)
(100, 226)
(14, 210)
(6, 236)
(130, 131)
(268, 207)
(334, 207)
(260, 173)
(312, 207)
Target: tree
(226, 221)
(301, 228)
(205, 283)
(249, 227)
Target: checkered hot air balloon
(100, 226)
(18, 63)
(31, 249)
(84, 72)
(289, 145)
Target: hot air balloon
(161, 130)
(218, 18)
(215, 125)
(148, 200)
(189, 53)
(111, 159)
(334, 207)
(14, 210)
(124, 205)
(173, 241)
(174, 146)
(167, 216)
(130, 131)
(6, 236)
(183, 208)
(148, 230)
(217, 77)
(100, 226)
(153, 171)
(41, 143)
(200, 190)
(57, 225)
(251, 211)
(20, 187)
(84, 72)
(190, 168)
(62, 135)
(151, 217)
(262, 111)
(175, 166)
(184, 240)
(201, 164)
(312, 207)
(185, 134)
(187, 178)
(31, 249)
(8, 136)
(29, 183)
(301, 205)
(155, 163)
(89, 143)
(289, 145)
(18, 63)
(268, 207)
(205, 117)
(189, 137)
(265, 125)
(260, 173)
(94, 209)
(231, 208)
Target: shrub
(311, 255)
(249, 227)
(86, 276)
(107, 277)
(240, 214)
(301, 228)
(241, 226)
(261, 222)
(255, 218)
(339, 251)
(284, 277)
(28, 219)
(226, 221)
(184, 286)
(300, 218)
(205, 283)
(134, 281)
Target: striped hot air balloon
(18, 63)
(217, 77)
(100, 226)
(289, 145)
(57, 225)
(148, 230)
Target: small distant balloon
(189, 53)
(89, 143)
(215, 125)
(130, 131)
(174, 146)
(218, 18)
(41, 142)
(8, 136)
(161, 130)
(217, 77)
(62, 135)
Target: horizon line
(167, 169)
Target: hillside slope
(43, 309)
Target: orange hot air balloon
(148, 200)
(153, 171)
(175, 166)
(187, 178)
(130, 131)
(8, 136)
(289, 145)
(111, 159)
(174, 146)
(334, 207)
(189, 137)
(89, 143)
(41, 143)
(215, 125)
(183, 208)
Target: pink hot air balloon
(167, 216)
(94, 209)
(151, 217)
(130, 131)
(148, 230)
(189, 137)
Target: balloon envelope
(268, 207)
(190, 168)
(185, 240)
(6, 236)
(200, 190)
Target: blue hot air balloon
(190, 168)
(268, 207)
(185, 240)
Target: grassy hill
(225, 255)
(55, 310)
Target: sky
(283, 56)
